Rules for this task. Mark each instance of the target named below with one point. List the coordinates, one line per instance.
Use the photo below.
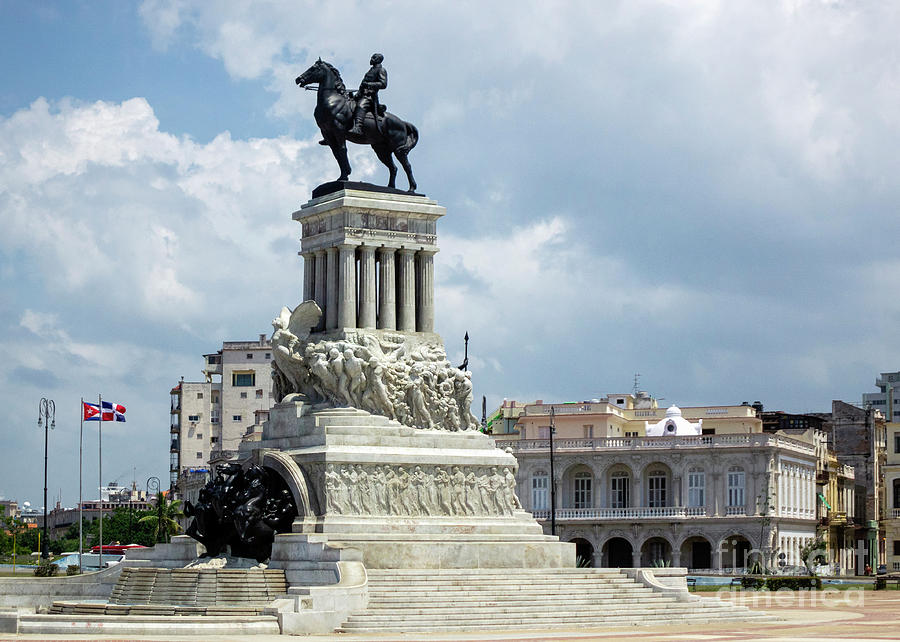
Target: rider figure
(367, 96)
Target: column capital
(406, 251)
(369, 249)
(347, 246)
(386, 249)
(426, 252)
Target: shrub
(792, 583)
(45, 569)
(73, 569)
(880, 584)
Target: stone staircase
(203, 587)
(144, 601)
(461, 600)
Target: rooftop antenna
(637, 383)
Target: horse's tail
(412, 137)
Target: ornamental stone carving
(424, 491)
(402, 377)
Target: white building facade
(719, 501)
(209, 418)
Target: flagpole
(80, 486)
(100, 467)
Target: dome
(674, 425)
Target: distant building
(10, 508)
(112, 497)
(857, 436)
(699, 487)
(887, 399)
(209, 418)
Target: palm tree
(165, 522)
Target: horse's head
(314, 74)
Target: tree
(813, 554)
(164, 519)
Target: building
(887, 399)
(891, 520)
(857, 436)
(112, 497)
(9, 508)
(209, 418)
(638, 485)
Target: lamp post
(552, 477)
(47, 419)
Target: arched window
(619, 483)
(696, 487)
(656, 489)
(540, 491)
(582, 487)
(736, 486)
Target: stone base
(403, 497)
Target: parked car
(882, 569)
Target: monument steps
(149, 624)
(423, 600)
(198, 587)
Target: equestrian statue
(360, 118)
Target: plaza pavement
(823, 616)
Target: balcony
(634, 512)
(837, 518)
(752, 441)
(894, 513)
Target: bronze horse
(334, 115)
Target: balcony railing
(756, 440)
(634, 512)
(895, 513)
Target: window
(199, 395)
(540, 494)
(543, 432)
(631, 434)
(618, 490)
(193, 417)
(588, 431)
(897, 547)
(268, 355)
(897, 442)
(213, 440)
(583, 483)
(696, 487)
(199, 435)
(708, 431)
(897, 493)
(656, 489)
(735, 486)
(620, 401)
(199, 455)
(235, 418)
(249, 355)
(243, 379)
(259, 394)
(243, 395)
(214, 419)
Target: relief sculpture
(385, 374)
(355, 489)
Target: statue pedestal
(404, 497)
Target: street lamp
(47, 419)
(552, 477)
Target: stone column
(331, 289)
(309, 276)
(636, 558)
(346, 305)
(367, 300)
(676, 557)
(406, 291)
(320, 285)
(387, 308)
(425, 291)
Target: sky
(702, 192)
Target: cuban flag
(111, 412)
